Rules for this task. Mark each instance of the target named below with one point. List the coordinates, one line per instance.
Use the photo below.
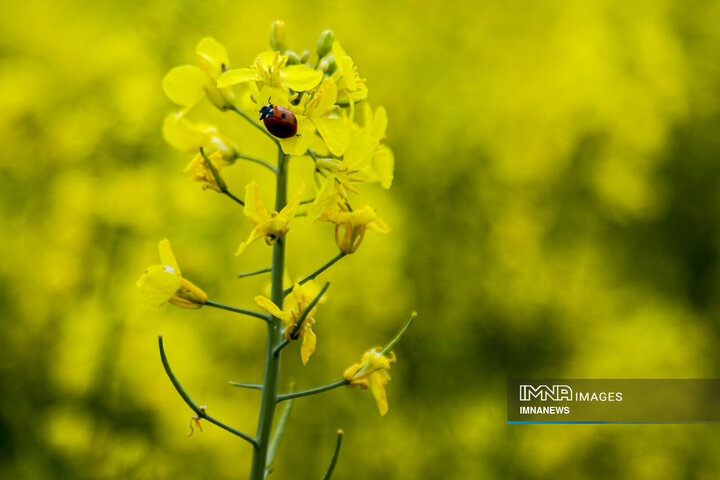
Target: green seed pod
(277, 36)
(325, 43)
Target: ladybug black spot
(283, 115)
(294, 120)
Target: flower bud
(328, 64)
(277, 36)
(293, 58)
(305, 56)
(325, 43)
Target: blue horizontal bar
(604, 423)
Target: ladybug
(279, 121)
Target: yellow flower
(188, 84)
(350, 226)
(274, 82)
(295, 305)
(366, 158)
(322, 112)
(372, 372)
(271, 226)
(200, 172)
(164, 283)
(297, 144)
(271, 69)
(382, 161)
(351, 87)
(188, 137)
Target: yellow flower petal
(200, 172)
(379, 225)
(237, 76)
(359, 150)
(254, 235)
(274, 95)
(308, 344)
(167, 257)
(377, 387)
(362, 216)
(376, 124)
(184, 85)
(326, 196)
(158, 285)
(213, 54)
(338, 50)
(182, 134)
(288, 212)
(268, 305)
(254, 208)
(348, 69)
(300, 77)
(298, 144)
(383, 163)
(335, 132)
(267, 58)
(323, 102)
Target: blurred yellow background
(555, 213)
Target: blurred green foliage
(555, 214)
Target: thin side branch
(261, 316)
(317, 272)
(255, 124)
(258, 161)
(199, 411)
(218, 179)
(334, 458)
(251, 386)
(399, 335)
(256, 272)
(313, 391)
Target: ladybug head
(266, 111)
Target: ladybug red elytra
(279, 121)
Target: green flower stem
(334, 458)
(247, 385)
(258, 161)
(256, 125)
(309, 200)
(233, 197)
(274, 334)
(256, 272)
(280, 346)
(279, 430)
(262, 316)
(399, 335)
(317, 272)
(218, 179)
(313, 391)
(312, 155)
(199, 411)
